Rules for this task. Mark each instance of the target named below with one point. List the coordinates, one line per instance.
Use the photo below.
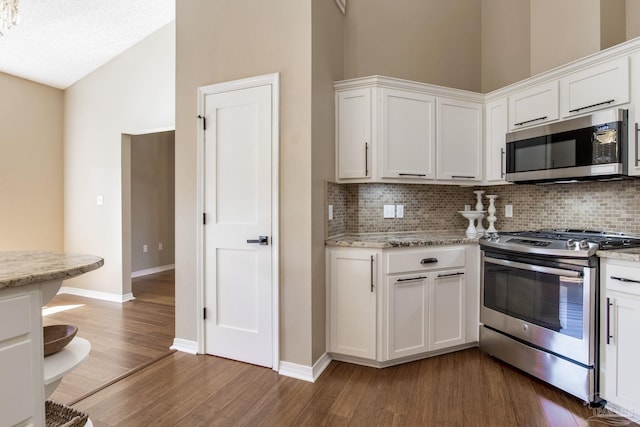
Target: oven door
(550, 306)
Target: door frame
(264, 80)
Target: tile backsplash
(611, 206)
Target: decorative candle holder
(492, 214)
(471, 216)
(479, 194)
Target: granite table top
(631, 254)
(398, 240)
(21, 268)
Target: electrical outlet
(508, 211)
(389, 211)
(99, 200)
(399, 211)
(330, 212)
(160, 246)
(144, 248)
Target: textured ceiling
(58, 42)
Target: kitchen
(307, 165)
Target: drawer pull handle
(411, 279)
(592, 105)
(529, 121)
(451, 274)
(622, 279)
(429, 261)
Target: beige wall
(563, 31)
(327, 67)
(31, 187)
(613, 28)
(435, 42)
(131, 94)
(506, 43)
(217, 41)
(152, 200)
(632, 19)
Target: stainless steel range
(539, 303)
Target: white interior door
(238, 280)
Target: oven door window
(551, 301)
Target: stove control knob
(495, 236)
(571, 244)
(584, 244)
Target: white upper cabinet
(459, 140)
(601, 86)
(533, 106)
(634, 118)
(407, 134)
(353, 134)
(495, 131)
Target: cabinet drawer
(623, 279)
(425, 260)
(15, 314)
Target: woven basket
(59, 415)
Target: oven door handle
(531, 267)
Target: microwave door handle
(536, 268)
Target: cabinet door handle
(462, 177)
(622, 279)
(502, 161)
(529, 121)
(429, 261)
(608, 331)
(371, 273)
(450, 274)
(366, 159)
(412, 174)
(636, 153)
(411, 279)
(592, 105)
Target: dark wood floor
(124, 337)
(465, 388)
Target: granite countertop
(23, 268)
(397, 240)
(631, 254)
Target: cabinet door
(634, 118)
(622, 376)
(407, 315)
(21, 354)
(446, 310)
(353, 134)
(534, 106)
(407, 135)
(353, 303)
(459, 140)
(496, 128)
(601, 86)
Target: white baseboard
(105, 296)
(185, 346)
(305, 373)
(152, 270)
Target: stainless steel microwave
(589, 147)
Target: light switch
(330, 212)
(99, 200)
(389, 211)
(399, 211)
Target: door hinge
(204, 218)
(204, 313)
(204, 122)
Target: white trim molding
(305, 373)
(105, 296)
(152, 270)
(185, 346)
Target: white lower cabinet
(446, 309)
(352, 302)
(619, 373)
(425, 304)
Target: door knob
(262, 240)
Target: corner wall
(31, 185)
(132, 93)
